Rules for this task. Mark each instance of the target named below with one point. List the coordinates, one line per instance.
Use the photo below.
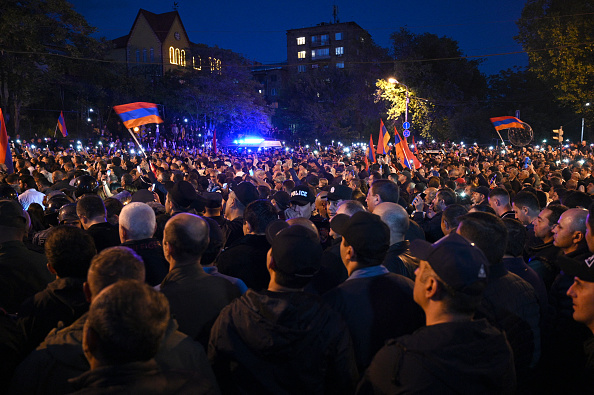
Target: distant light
(490, 148)
(78, 142)
(287, 149)
(420, 143)
(111, 145)
(565, 160)
(186, 120)
(88, 119)
(132, 150)
(199, 135)
(588, 104)
(316, 152)
(346, 149)
(33, 146)
(90, 110)
(538, 146)
(475, 143)
(544, 141)
(18, 141)
(100, 143)
(412, 146)
(502, 152)
(567, 140)
(581, 162)
(461, 142)
(307, 147)
(136, 129)
(432, 141)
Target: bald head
(185, 238)
(396, 217)
(575, 218)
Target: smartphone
(108, 173)
(154, 186)
(138, 168)
(251, 172)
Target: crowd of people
(182, 270)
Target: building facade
(158, 43)
(326, 45)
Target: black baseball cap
(365, 232)
(246, 192)
(296, 249)
(580, 268)
(302, 194)
(339, 192)
(458, 262)
(182, 194)
(12, 215)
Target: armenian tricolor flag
(5, 154)
(62, 125)
(136, 114)
(506, 122)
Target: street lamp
(395, 81)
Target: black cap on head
(340, 192)
(246, 192)
(213, 199)
(365, 232)
(182, 194)
(11, 214)
(143, 196)
(296, 250)
(302, 194)
(282, 199)
(459, 263)
(580, 268)
(482, 190)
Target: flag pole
(55, 130)
(137, 143)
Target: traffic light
(559, 133)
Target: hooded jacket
(470, 357)
(281, 343)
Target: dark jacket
(332, 271)
(281, 343)
(232, 230)
(60, 357)
(376, 309)
(398, 260)
(431, 227)
(141, 378)
(246, 260)
(196, 299)
(23, 273)
(470, 357)
(511, 305)
(542, 259)
(105, 235)
(62, 301)
(151, 252)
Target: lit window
(196, 63)
(301, 55)
(315, 66)
(320, 53)
(137, 56)
(144, 55)
(338, 36)
(300, 40)
(273, 92)
(182, 58)
(340, 65)
(152, 55)
(339, 51)
(315, 39)
(324, 39)
(301, 68)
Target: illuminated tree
(559, 38)
(394, 97)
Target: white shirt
(31, 196)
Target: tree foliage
(559, 38)
(38, 40)
(434, 69)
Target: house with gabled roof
(156, 43)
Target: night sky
(257, 29)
